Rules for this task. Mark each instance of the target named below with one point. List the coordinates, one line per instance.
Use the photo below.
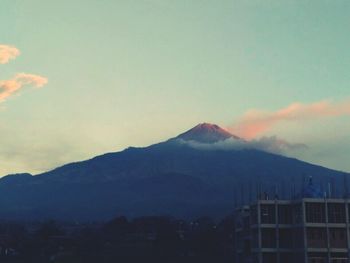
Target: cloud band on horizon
(257, 122)
(7, 53)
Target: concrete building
(308, 229)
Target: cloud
(271, 144)
(276, 145)
(256, 122)
(12, 86)
(7, 53)
(30, 79)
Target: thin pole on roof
(250, 192)
(346, 190)
(334, 192)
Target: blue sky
(136, 72)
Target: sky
(81, 78)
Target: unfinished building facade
(305, 230)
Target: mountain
(168, 178)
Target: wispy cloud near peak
(271, 144)
(7, 53)
(256, 122)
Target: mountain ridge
(169, 178)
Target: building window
(315, 212)
(269, 258)
(286, 237)
(317, 257)
(336, 213)
(339, 260)
(268, 237)
(267, 214)
(337, 237)
(317, 260)
(285, 214)
(316, 237)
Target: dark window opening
(336, 213)
(268, 214)
(315, 213)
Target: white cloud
(7, 53)
(271, 144)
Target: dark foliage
(146, 239)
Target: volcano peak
(206, 133)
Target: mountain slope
(167, 178)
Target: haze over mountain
(175, 177)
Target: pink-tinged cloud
(7, 53)
(255, 122)
(12, 86)
(30, 79)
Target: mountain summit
(206, 133)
